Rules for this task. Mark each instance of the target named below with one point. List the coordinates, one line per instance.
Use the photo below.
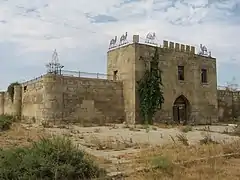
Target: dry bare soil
(138, 152)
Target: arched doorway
(181, 109)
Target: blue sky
(80, 30)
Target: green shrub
(186, 129)
(47, 159)
(5, 122)
(163, 163)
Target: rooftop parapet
(178, 47)
(165, 44)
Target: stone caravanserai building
(189, 79)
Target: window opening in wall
(25, 88)
(181, 73)
(115, 75)
(204, 76)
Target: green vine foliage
(150, 90)
(10, 89)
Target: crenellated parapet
(178, 47)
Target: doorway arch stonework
(181, 110)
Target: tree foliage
(150, 90)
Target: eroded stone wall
(82, 100)
(66, 99)
(32, 101)
(8, 104)
(11, 105)
(228, 105)
(121, 62)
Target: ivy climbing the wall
(10, 89)
(150, 90)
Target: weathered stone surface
(32, 101)
(83, 100)
(123, 61)
(66, 99)
(11, 106)
(202, 97)
(228, 105)
(98, 101)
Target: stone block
(171, 45)
(165, 44)
(182, 48)
(187, 48)
(177, 47)
(192, 50)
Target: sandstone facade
(58, 98)
(189, 96)
(199, 98)
(228, 105)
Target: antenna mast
(54, 67)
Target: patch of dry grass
(111, 143)
(207, 139)
(176, 161)
(183, 139)
(237, 130)
(46, 124)
(186, 129)
(166, 126)
(19, 135)
(179, 160)
(134, 129)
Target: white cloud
(63, 25)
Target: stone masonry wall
(32, 101)
(190, 87)
(122, 61)
(9, 106)
(202, 97)
(82, 100)
(228, 105)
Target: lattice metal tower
(54, 67)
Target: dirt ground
(20, 135)
(119, 148)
